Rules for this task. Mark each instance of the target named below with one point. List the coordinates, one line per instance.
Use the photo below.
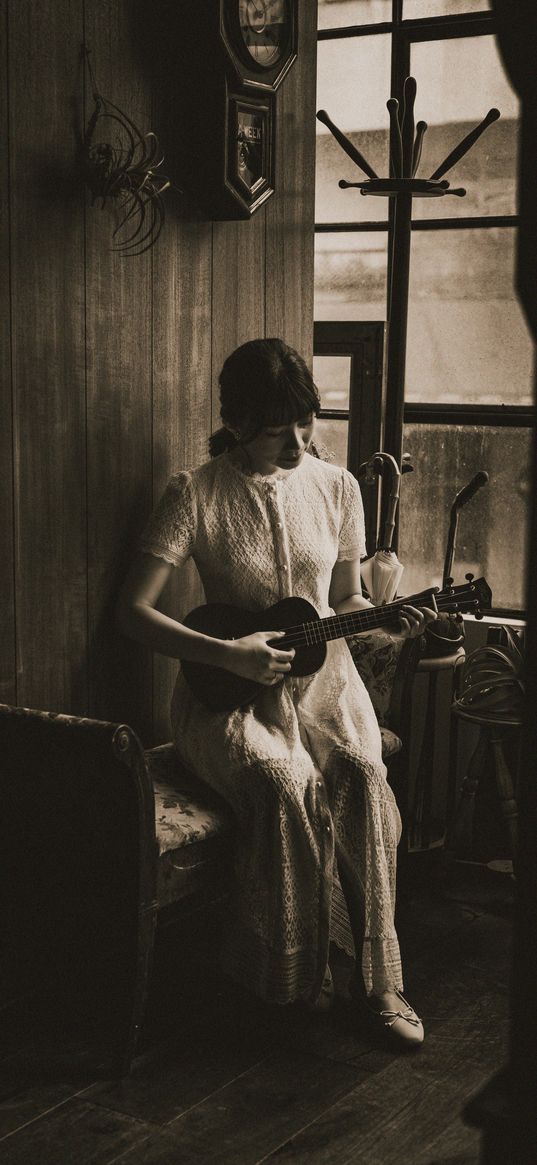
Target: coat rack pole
(397, 325)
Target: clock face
(265, 26)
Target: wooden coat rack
(406, 142)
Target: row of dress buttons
(272, 487)
(278, 524)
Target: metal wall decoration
(402, 185)
(125, 169)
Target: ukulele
(224, 691)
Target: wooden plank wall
(109, 366)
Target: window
(347, 367)
(467, 402)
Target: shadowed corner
(158, 33)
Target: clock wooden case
(260, 40)
(232, 56)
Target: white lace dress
(304, 762)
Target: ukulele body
(223, 691)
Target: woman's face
(280, 446)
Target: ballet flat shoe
(325, 998)
(401, 1029)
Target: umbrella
(382, 572)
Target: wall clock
(234, 55)
(260, 37)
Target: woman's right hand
(253, 658)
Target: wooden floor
(222, 1078)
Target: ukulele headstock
(473, 597)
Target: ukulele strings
(352, 622)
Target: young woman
(301, 766)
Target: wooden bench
(101, 841)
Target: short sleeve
(352, 525)
(171, 530)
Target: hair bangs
(265, 383)
(290, 400)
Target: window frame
(364, 343)
(395, 411)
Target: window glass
(359, 110)
(458, 82)
(339, 13)
(467, 340)
(332, 377)
(491, 537)
(350, 275)
(414, 9)
(332, 440)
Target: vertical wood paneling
(114, 360)
(8, 684)
(118, 353)
(48, 369)
(182, 399)
(238, 290)
(290, 213)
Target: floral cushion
(376, 657)
(390, 743)
(194, 827)
(186, 810)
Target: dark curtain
(517, 39)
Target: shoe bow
(409, 1016)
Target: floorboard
(387, 1116)
(457, 1144)
(256, 1112)
(74, 1132)
(223, 1078)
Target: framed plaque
(250, 154)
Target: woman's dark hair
(262, 383)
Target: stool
(494, 734)
(419, 832)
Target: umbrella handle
(389, 525)
(389, 462)
(378, 465)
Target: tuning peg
(470, 576)
(449, 582)
(478, 615)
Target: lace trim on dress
(165, 553)
(278, 975)
(170, 531)
(351, 552)
(253, 475)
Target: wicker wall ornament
(126, 170)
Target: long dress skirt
(297, 781)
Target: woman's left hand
(413, 621)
